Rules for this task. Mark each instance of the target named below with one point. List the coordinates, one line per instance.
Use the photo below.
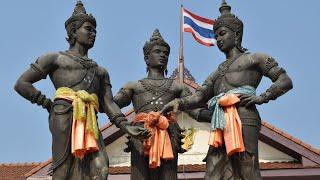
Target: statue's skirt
(60, 124)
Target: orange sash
(231, 135)
(158, 145)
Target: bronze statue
(148, 95)
(83, 89)
(230, 94)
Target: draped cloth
(85, 132)
(158, 146)
(225, 123)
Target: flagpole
(181, 68)
(181, 58)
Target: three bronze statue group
(227, 99)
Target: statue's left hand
(249, 100)
(173, 105)
(137, 132)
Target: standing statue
(155, 158)
(82, 89)
(230, 93)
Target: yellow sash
(85, 130)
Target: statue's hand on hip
(249, 100)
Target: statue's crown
(227, 19)
(156, 39)
(80, 14)
(156, 36)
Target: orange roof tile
(15, 171)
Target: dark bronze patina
(73, 69)
(151, 94)
(239, 69)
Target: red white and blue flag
(201, 28)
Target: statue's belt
(158, 146)
(226, 123)
(85, 130)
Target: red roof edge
(20, 164)
(288, 136)
(36, 169)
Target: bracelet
(35, 96)
(41, 100)
(181, 104)
(265, 97)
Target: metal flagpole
(181, 58)
(181, 70)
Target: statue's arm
(37, 71)
(124, 95)
(201, 113)
(201, 96)
(109, 106)
(114, 113)
(282, 83)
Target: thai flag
(201, 28)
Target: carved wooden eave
(291, 158)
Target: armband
(270, 63)
(38, 69)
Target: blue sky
(287, 30)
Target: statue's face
(158, 56)
(226, 39)
(86, 35)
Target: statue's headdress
(156, 39)
(78, 17)
(227, 19)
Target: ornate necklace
(154, 89)
(157, 86)
(224, 67)
(85, 62)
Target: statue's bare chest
(68, 69)
(241, 72)
(153, 95)
(73, 74)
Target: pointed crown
(156, 39)
(80, 15)
(227, 19)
